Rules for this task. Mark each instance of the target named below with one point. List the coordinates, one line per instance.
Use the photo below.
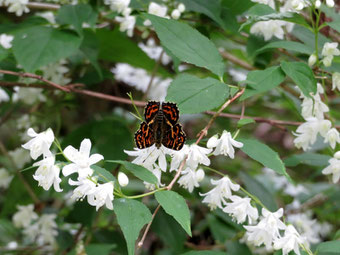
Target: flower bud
(317, 4)
(330, 3)
(336, 81)
(175, 14)
(200, 175)
(337, 155)
(181, 7)
(312, 60)
(123, 179)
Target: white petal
(212, 142)
(71, 153)
(31, 132)
(49, 135)
(95, 158)
(85, 147)
(70, 169)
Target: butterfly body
(160, 127)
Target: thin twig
(203, 133)
(237, 61)
(43, 6)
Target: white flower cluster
(6, 41)
(329, 50)
(333, 167)
(16, 6)
(313, 110)
(48, 172)
(41, 230)
(140, 79)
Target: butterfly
(160, 127)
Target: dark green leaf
(175, 205)
(103, 174)
(194, 95)
(188, 44)
(287, 45)
(132, 215)
(220, 231)
(302, 75)
(264, 154)
(307, 158)
(263, 80)
(244, 122)
(237, 7)
(99, 248)
(76, 15)
(331, 247)
(3, 53)
(38, 46)
(137, 170)
(260, 191)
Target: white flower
(24, 216)
(28, 95)
(178, 157)
(103, 194)
(175, 14)
(197, 155)
(117, 5)
(224, 145)
(147, 157)
(17, 6)
(215, 197)
(240, 209)
(156, 171)
(313, 107)
(48, 174)
(317, 4)
(81, 160)
(307, 227)
(156, 9)
(290, 241)
(181, 7)
(5, 178)
(55, 72)
(3, 96)
(332, 137)
(20, 157)
(329, 50)
(298, 5)
(267, 229)
(266, 2)
(334, 167)
(123, 180)
(6, 41)
(312, 60)
(127, 23)
(190, 178)
(85, 187)
(40, 143)
(49, 16)
(268, 29)
(307, 132)
(43, 231)
(293, 190)
(336, 81)
(154, 51)
(330, 3)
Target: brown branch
(202, 133)
(237, 61)
(43, 6)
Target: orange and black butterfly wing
(151, 110)
(144, 136)
(175, 138)
(171, 112)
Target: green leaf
(335, 25)
(76, 15)
(307, 158)
(264, 154)
(204, 253)
(211, 8)
(331, 247)
(3, 53)
(220, 230)
(237, 7)
(99, 248)
(263, 80)
(261, 192)
(244, 122)
(302, 75)
(117, 47)
(38, 46)
(137, 170)
(194, 95)
(287, 45)
(188, 44)
(132, 215)
(175, 205)
(103, 174)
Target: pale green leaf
(331, 247)
(302, 75)
(188, 44)
(137, 170)
(38, 46)
(307, 158)
(175, 205)
(103, 174)
(194, 95)
(244, 122)
(287, 45)
(264, 154)
(132, 215)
